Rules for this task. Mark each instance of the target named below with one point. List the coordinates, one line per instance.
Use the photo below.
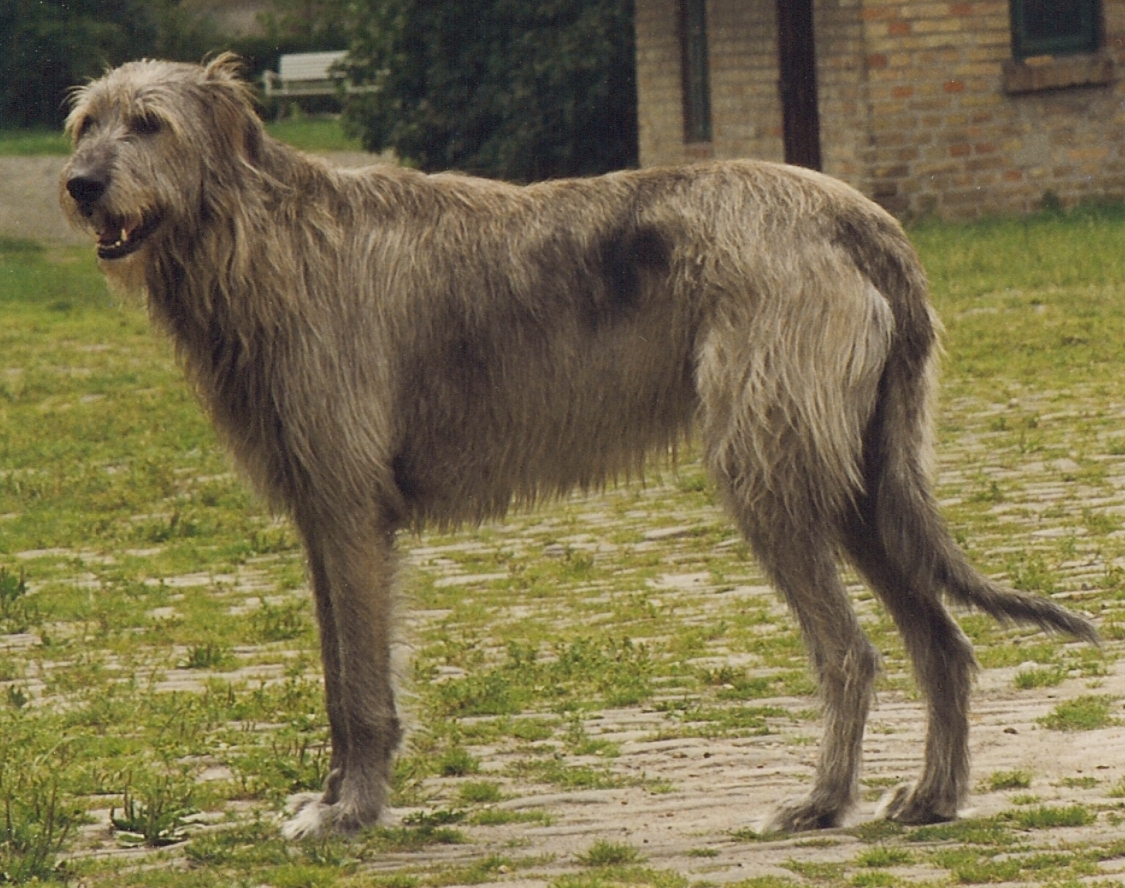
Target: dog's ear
(236, 101)
(225, 66)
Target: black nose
(86, 189)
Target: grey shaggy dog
(382, 349)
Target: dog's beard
(126, 276)
(119, 237)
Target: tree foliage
(506, 88)
(47, 46)
(309, 24)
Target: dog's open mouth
(116, 239)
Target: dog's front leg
(330, 660)
(353, 581)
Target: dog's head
(152, 141)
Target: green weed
(283, 622)
(484, 869)
(289, 759)
(971, 831)
(35, 827)
(873, 879)
(457, 762)
(972, 866)
(17, 613)
(1085, 713)
(708, 721)
(1001, 780)
(208, 655)
(817, 872)
(154, 813)
(614, 876)
(501, 816)
(606, 853)
(531, 730)
(1031, 574)
(433, 819)
(557, 772)
(882, 856)
(413, 837)
(878, 831)
(1045, 817)
(393, 880)
(482, 792)
(1036, 677)
(736, 684)
(766, 882)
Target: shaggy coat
(382, 349)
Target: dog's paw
(313, 818)
(803, 815)
(906, 804)
(309, 821)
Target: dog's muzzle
(117, 237)
(86, 191)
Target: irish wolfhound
(384, 349)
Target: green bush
(504, 88)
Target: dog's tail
(897, 513)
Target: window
(1055, 27)
(697, 87)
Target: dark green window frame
(697, 78)
(1055, 27)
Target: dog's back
(555, 336)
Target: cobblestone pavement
(721, 786)
(689, 803)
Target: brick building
(955, 109)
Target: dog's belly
(521, 425)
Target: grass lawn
(306, 133)
(28, 142)
(159, 682)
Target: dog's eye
(144, 125)
(84, 126)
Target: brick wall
(745, 104)
(950, 137)
(920, 104)
(842, 88)
(745, 107)
(660, 120)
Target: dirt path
(29, 204)
(717, 789)
(725, 785)
(721, 787)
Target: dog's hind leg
(787, 381)
(353, 585)
(797, 549)
(801, 563)
(944, 666)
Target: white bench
(304, 74)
